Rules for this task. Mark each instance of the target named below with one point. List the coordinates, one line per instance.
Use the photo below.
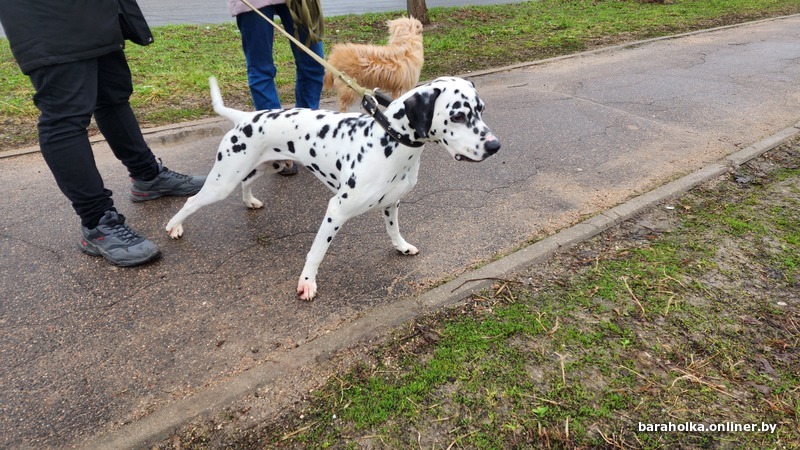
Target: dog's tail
(327, 82)
(234, 115)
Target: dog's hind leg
(247, 184)
(213, 191)
(393, 228)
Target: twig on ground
(484, 279)
(298, 431)
(630, 291)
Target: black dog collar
(371, 106)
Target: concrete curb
(378, 322)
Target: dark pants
(67, 95)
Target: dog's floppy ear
(419, 111)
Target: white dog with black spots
(364, 166)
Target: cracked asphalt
(101, 357)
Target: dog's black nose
(492, 147)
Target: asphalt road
(113, 358)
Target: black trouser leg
(116, 120)
(66, 97)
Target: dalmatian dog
(366, 166)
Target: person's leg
(66, 96)
(119, 126)
(257, 43)
(116, 119)
(310, 73)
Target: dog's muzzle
(490, 147)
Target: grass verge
(687, 315)
(171, 75)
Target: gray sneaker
(289, 171)
(165, 183)
(117, 242)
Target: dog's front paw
(306, 289)
(407, 249)
(254, 203)
(175, 231)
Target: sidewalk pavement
(100, 357)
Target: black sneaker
(117, 242)
(165, 183)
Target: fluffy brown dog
(393, 68)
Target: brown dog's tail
(327, 82)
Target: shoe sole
(92, 250)
(138, 197)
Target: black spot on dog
(400, 113)
(234, 139)
(386, 212)
(250, 175)
(239, 147)
(330, 219)
(331, 185)
(219, 156)
(310, 168)
(313, 153)
(352, 182)
(276, 149)
(388, 151)
(385, 141)
(290, 146)
(456, 105)
(330, 238)
(323, 131)
(257, 116)
(320, 116)
(344, 195)
(339, 164)
(359, 157)
(308, 137)
(247, 130)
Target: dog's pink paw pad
(175, 232)
(306, 290)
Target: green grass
(170, 76)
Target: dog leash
(369, 98)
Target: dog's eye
(458, 118)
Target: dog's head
(448, 111)
(403, 28)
